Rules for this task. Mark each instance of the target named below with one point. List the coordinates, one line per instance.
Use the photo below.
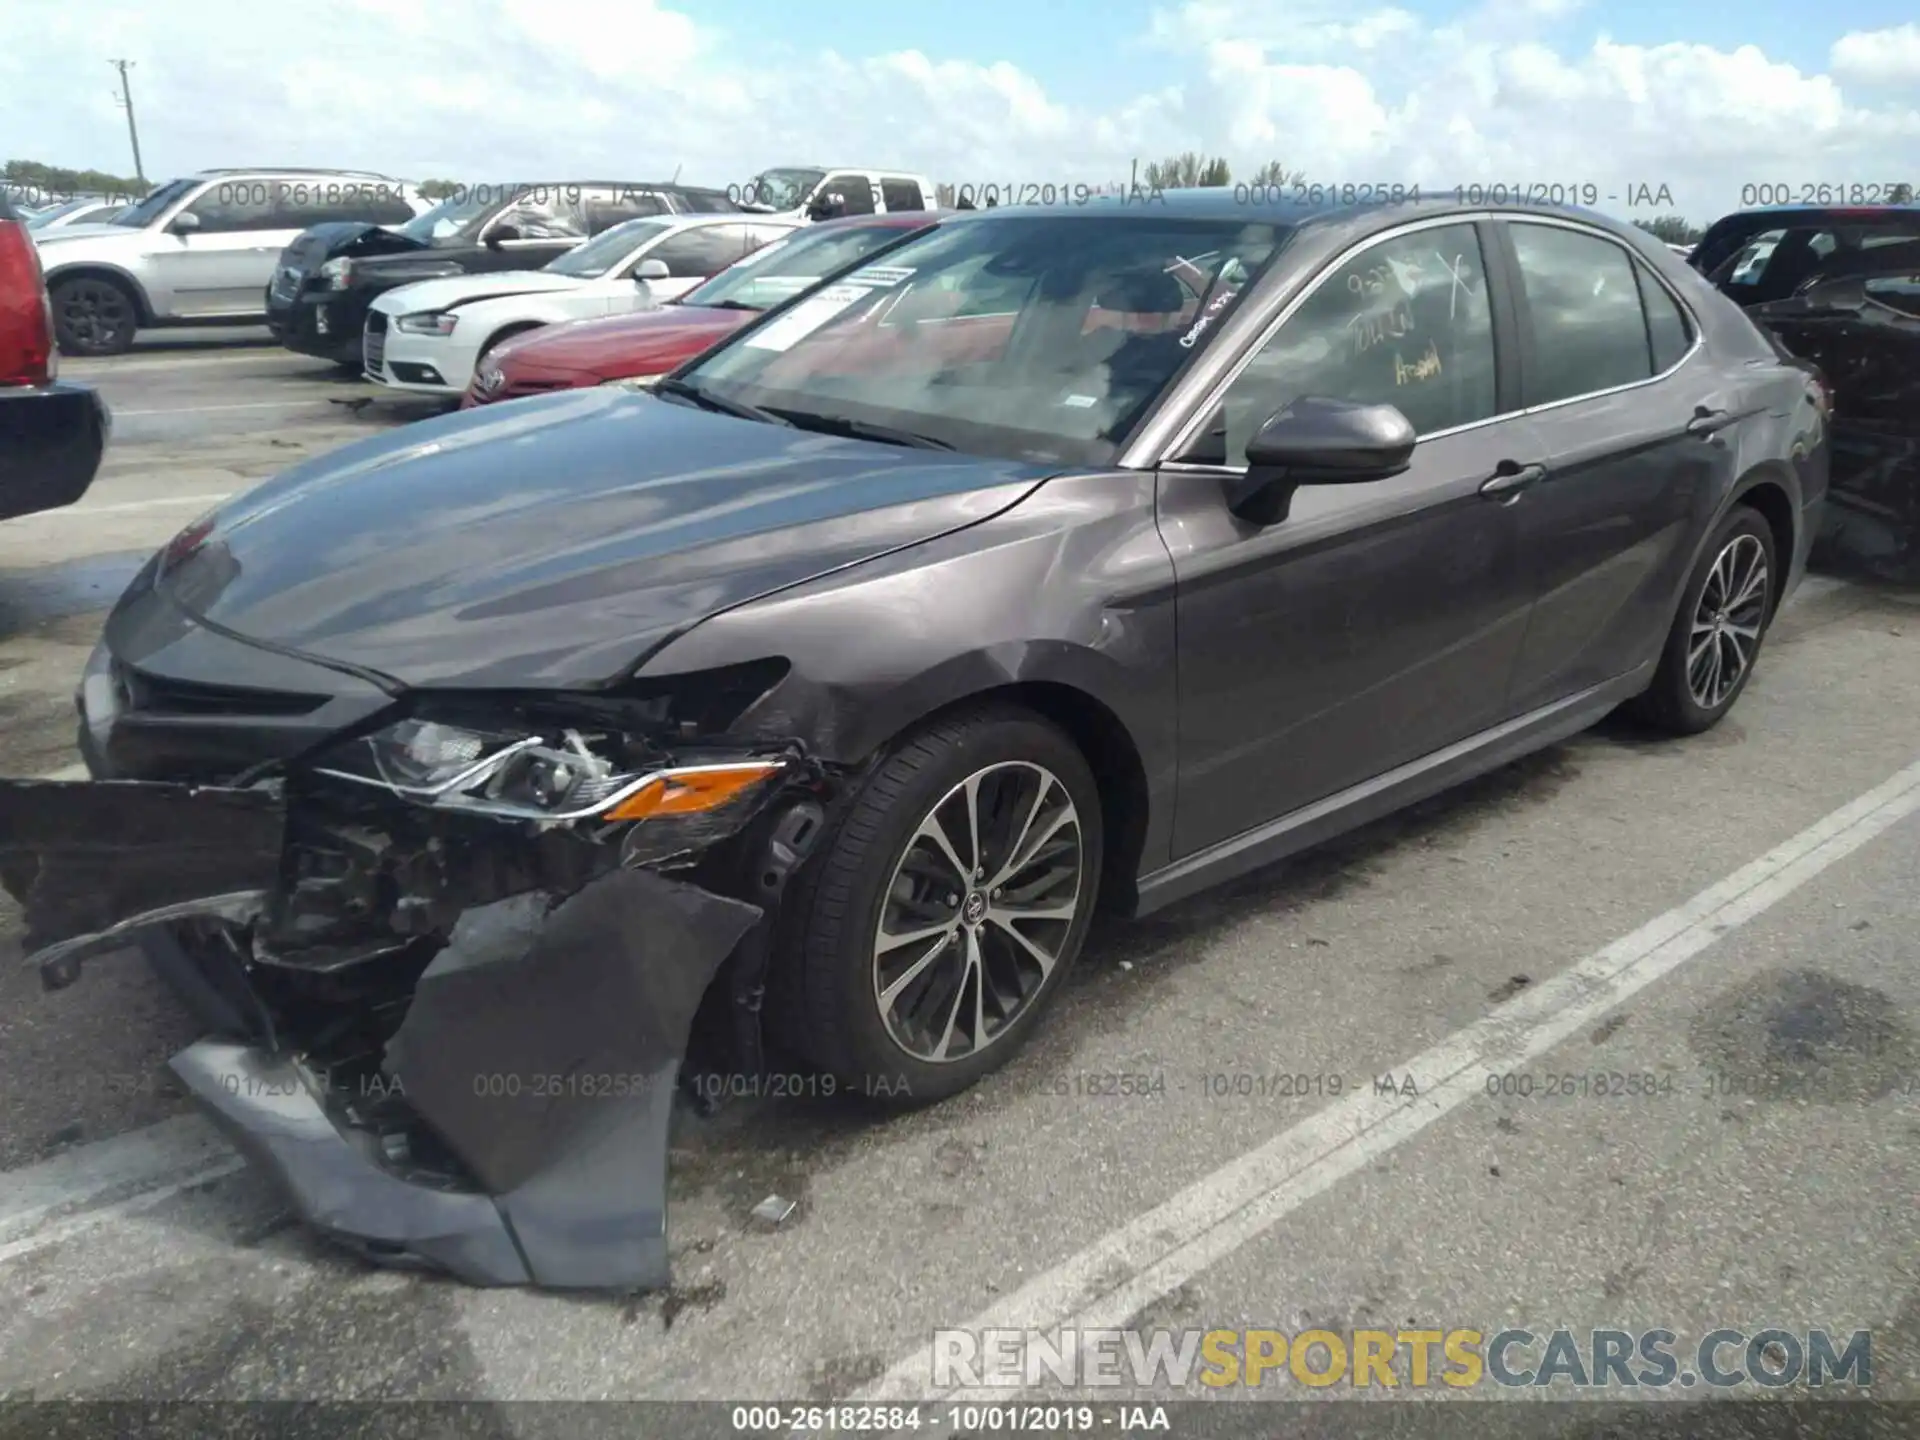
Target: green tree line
(56, 180)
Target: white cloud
(1516, 92)
(1878, 57)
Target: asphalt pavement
(1383, 1086)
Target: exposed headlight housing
(555, 777)
(337, 273)
(634, 382)
(427, 322)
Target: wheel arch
(1119, 771)
(504, 333)
(1768, 489)
(101, 270)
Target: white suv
(199, 250)
(828, 192)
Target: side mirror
(1317, 441)
(185, 223)
(651, 270)
(500, 234)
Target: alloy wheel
(94, 313)
(978, 911)
(1727, 622)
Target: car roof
(287, 170)
(1244, 202)
(716, 217)
(889, 220)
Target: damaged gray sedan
(483, 783)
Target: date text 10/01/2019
(1584, 193)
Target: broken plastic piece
(774, 1210)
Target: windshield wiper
(727, 305)
(860, 430)
(707, 400)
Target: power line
(125, 99)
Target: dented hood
(456, 290)
(641, 344)
(556, 541)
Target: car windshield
(782, 189)
(786, 267)
(1032, 337)
(147, 210)
(607, 249)
(456, 215)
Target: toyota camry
(481, 782)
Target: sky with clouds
(1612, 94)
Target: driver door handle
(1509, 480)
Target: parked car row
(307, 250)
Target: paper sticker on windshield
(806, 317)
(1081, 402)
(785, 286)
(881, 275)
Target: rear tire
(1716, 637)
(907, 1024)
(93, 316)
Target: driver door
(1379, 622)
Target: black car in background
(500, 770)
(1840, 287)
(317, 300)
(52, 433)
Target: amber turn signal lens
(690, 792)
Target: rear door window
(856, 191)
(608, 208)
(1582, 305)
(902, 195)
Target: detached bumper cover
(540, 1047)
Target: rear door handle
(1708, 420)
(1510, 480)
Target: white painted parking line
(222, 409)
(129, 507)
(1130, 1267)
(52, 1201)
(153, 360)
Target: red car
(52, 432)
(636, 348)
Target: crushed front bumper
(514, 1127)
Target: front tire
(1716, 637)
(93, 316)
(946, 909)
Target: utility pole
(125, 98)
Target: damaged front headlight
(559, 776)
